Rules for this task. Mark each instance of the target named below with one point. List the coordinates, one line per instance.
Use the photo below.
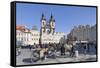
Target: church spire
(52, 24)
(43, 23)
(52, 18)
(43, 17)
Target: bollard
(76, 53)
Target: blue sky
(66, 17)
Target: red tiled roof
(21, 28)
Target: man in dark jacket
(72, 52)
(62, 49)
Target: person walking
(30, 47)
(62, 50)
(42, 55)
(72, 52)
(85, 49)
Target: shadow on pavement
(29, 60)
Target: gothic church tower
(47, 27)
(43, 24)
(52, 24)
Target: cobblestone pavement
(25, 58)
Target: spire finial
(42, 14)
(52, 18)
(43, 17)
(51, 15)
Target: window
(32, 34)
(27, 39)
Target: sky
(66, 17)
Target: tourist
(72, 52)
(62, 50)
(85, 49)
(42, 57)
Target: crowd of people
(49, 50)
(43, 51)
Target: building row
(83, 33)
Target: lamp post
(40, 39)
